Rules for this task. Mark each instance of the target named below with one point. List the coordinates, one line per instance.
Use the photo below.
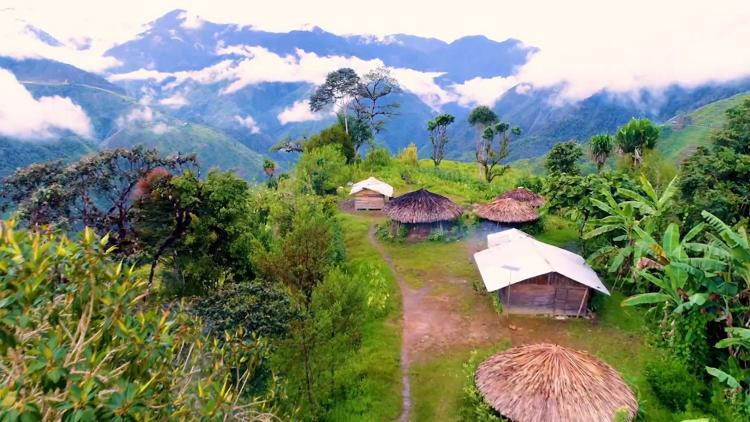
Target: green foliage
(322, 170)
(438, 129)
(409, 156)
(474, 407)
(563, 158)
(257, 307)
(673, 384)
(376, 158)
(269, 167)
(718, 179)
(635, 137)
(482, 116)
(78, 342)
(216, 250)
(489, 157)
(333, 135)
(600, 148)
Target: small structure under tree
(371, 194)
(532, 277)
(546, 382)
(421, 212)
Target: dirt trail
(434, 321)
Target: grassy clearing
(377, 396)
(677, 142)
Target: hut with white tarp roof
(371, 194)
(532, 277)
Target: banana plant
(652, 206)
(684, 282)
(733, 247)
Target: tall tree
(97, 191)
(600, 148)
(269, 167)
(635, 137)
(489, 156)
(438, 128)
(563, 157)
(371, 92)
(339, 88)
(481, 118)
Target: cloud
(190, 20)
(161, 128)
(23, 116)
(484, 91)
(175, 101)
(142, 114)
(248, 122)
(300, 112)
(23, 41)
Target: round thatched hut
(421, 212)
(507, 211)
(550, 383)
(522, 194)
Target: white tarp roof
(373, 184)
(513, 256)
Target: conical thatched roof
(524, 195)
(506, 210)
(421, 206)
(550, 383)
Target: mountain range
(229, 92)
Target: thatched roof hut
(507, 210)
(421, 206)
(522, 194)
(550, 383)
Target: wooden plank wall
(551, 294)
(368, 200)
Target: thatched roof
(421, 206)
(524, 195)
(549, 383)
(506, 210)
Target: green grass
(375, 392)
(559, 232)
(677, 142)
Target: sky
(587, 45)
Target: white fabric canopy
(373, 184)
(513, 256)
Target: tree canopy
(563, 158)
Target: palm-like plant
(600, 148)
(635, 137)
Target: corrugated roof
(374, 185)
(513, 256)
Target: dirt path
(435, 322)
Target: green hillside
(16, 154)
(213, 148)
(682, 134)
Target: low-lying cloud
(300, 112)
(23, 116)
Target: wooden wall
(368, 200)
(549, 294)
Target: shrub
(673, 384)
(322, 170)
(376, 158)
(78, 341)
(409, 155)
(474, 408)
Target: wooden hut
(371, 194)
(551, 383)
(421, 212)
(507, 211)
(532, 277)
(522, 194)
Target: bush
(376, 158)
(409, 155)
(79, 341)
(322, 170)
(474, 408)
(673, 384)
(258, 307)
